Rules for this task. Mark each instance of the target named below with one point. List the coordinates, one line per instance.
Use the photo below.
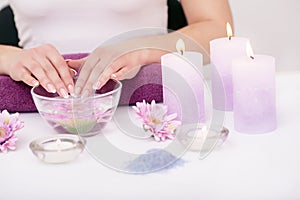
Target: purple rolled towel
(147, 84)
(15, 96)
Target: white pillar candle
(254, 93)
(222, 51)
(183, 90)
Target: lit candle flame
(180, 46)
(229, 30)
(249, 51)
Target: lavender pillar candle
(222, 51)
(183, 90)
(254, 94)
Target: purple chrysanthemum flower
(155, 119)
(9, 124)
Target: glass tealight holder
(58, 149)
(200, 138)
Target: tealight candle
(197, 137)
(254, 93)
(222, 51)
(58, 149)
(58, 145)
(183, 90)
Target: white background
(271, 26)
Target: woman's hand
(105, 63)
(41, 65)
(122, 60)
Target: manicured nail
(67, 60)
(85, 94)
(71, 89)
(64, 93)
(77, 91)
(35, 83)
(73, 72)
(97, 85)
(113, 76)
(51, 88)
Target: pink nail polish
(113, 76)
(77, 91)
(35, 83)
(74, 72)
(85, 94)
(98, 85)
(95, 86)
(67, 60)
(71, 88)
(51, 88)
(64, 93)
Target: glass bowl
(83, 116)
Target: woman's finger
(91, 67)
(76, 64)
(37, 71)
(119, 75)
(26, 77)
(94, 76)
(53, 75)
(101, 79)
(73, 72)
(126, 73)
(61, 76)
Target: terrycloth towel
(147, 84)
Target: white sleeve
(3, 3)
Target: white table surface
(264, 166)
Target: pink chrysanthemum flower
(9, 124)
(155, 119)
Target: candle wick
(229, 37)
(181, 52)
(252, 57)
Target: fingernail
(64, 93)
(51, 88)
(73, 72)
(97, 85)
(35, 83)
(113, 76)
(71, 89)
(85, 93)
(67, 60)
(77, 90)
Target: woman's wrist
(7, 53)
(151, 55)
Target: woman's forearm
(206, 21)
(151, 48)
